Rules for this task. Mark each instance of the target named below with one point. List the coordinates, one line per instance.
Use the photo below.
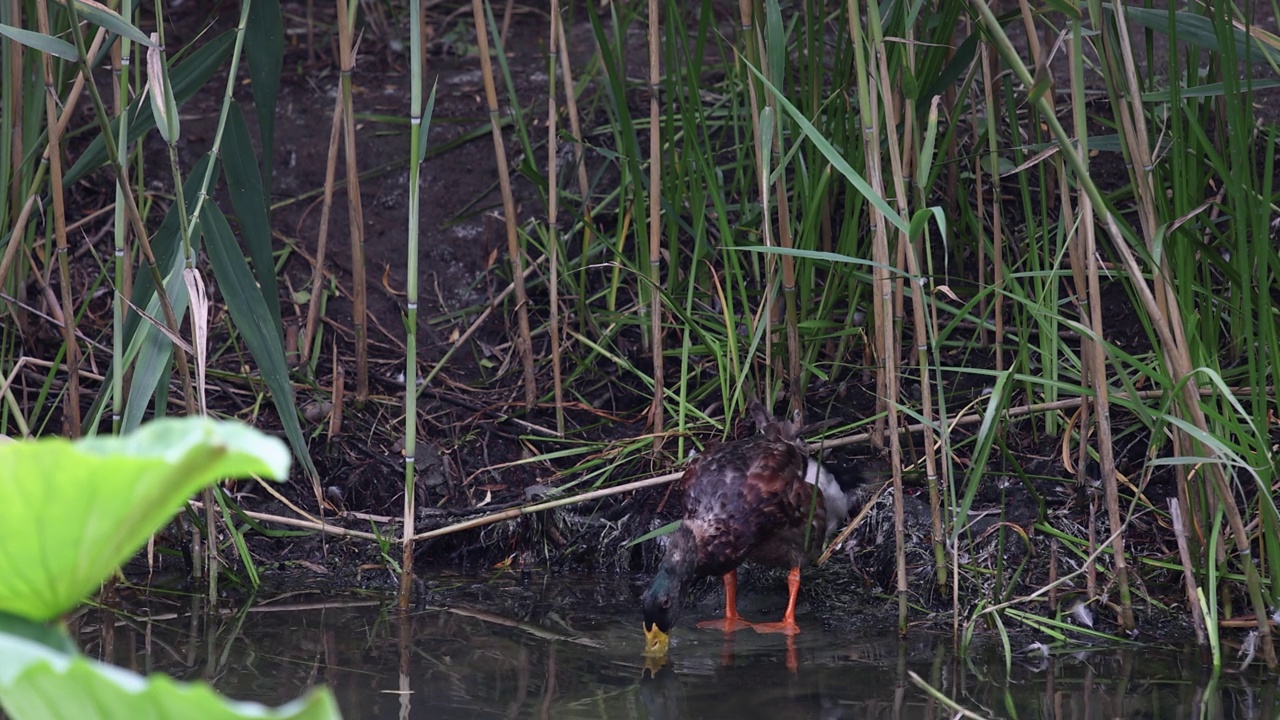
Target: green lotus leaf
(72, 512)
(37, 682)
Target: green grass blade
(832, 155)
(152, 348)
(658, 532)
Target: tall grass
(1067, 205)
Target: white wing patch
(836, 502)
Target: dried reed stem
(873, 121)
(322, 237)
(656, 421)
(53, 154)
(1188, 576)
(553, 207)
(524, 341)
(355, 209)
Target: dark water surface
(569, 648)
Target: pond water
(568, 647)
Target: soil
(471, 420)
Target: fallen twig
(535, 630)
(854, 523)
(512, 513)
(295, 522)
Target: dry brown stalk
(553, 207)
(655, 228)
(71, 422)
(312, 524)
(1188, 577)
(886, 344)
(355, 209)
(524, 344)
(322, 238)
(512, 513)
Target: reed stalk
(355, 208)
(654, 291)
(745, 197)
(316, 300)
(132, 213)
(580, 165)
(795, 384)
(71, 402)
(121, 64)
(886, 347)
(553, 208)
(515, 254)
(1077, 215)
(417, 152)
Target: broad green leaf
(775, 44)
(910, 86)
(149, 351)
(253, 322)
(1066, 7)
(50, 635)
(1040, 84)
(72, 512)
(38, 683)
(1199, 30)
(102, 16)
(249, 199)
(39, 41)
(820, 255)
(920, 220)
(925, 165)
(957, 65)
(264, 49)
(997, 402)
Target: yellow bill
(655, 642)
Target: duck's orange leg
(731, 622)
(788, 624)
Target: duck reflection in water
(756, 686)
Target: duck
(763, 499)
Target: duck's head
(661, 602)
(774, 428)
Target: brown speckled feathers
(749, 500)
(764, 499)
